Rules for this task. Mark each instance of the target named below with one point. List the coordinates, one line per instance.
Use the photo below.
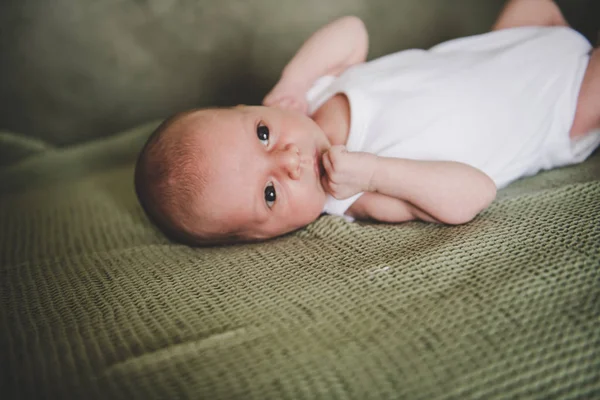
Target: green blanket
(95, 303)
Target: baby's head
(246, 173)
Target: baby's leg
(587, 114)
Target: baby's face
(264, 170)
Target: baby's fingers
(286, 103)
(273, 101)
(269, 99)
(336, 154)
(292, 104)
(327, 164)
(337, 149)
(325, 184)
(300, 106)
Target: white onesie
(502, 102)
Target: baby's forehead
(223, 140)
(209, 128)
(214, 117)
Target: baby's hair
(152, 186)
(168, 180)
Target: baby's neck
(334, 118)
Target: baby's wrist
(371, 172)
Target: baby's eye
(263, 134)
(270, 195)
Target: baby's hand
(287, 97)
(347, 173)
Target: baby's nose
(289, 160)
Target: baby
(417, 134)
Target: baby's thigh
(587, 115)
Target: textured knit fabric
(95, 303)
(502, 102)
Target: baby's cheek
(317, 199)
(310, 201)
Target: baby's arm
(529, 13)
(401, 189)
(329, 51)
